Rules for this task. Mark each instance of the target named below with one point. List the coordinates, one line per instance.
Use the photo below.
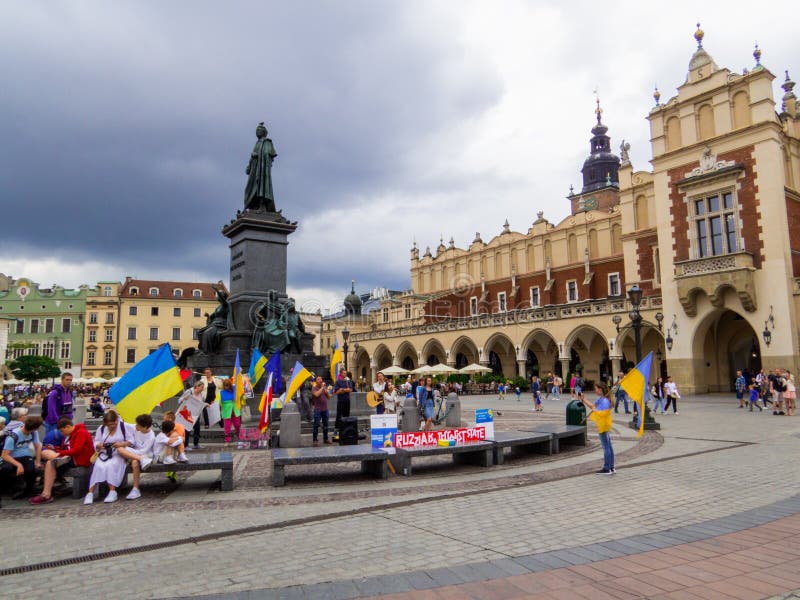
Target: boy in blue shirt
(754, 396)
(22, 455)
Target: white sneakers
(169, 460)
(134, 494)
(112, 497)
(88, 498)
(182, 457)
(145, 462)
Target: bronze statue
(278, 327)
(295, 327)
(258, 194)
(210, 336)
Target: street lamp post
(345, 337)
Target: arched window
(673, 133)
(134, 291)
(107, 291)
(197, 293)
(741, 110)
(642, 217)
(498, 265)
(154, 291)
(548, 250)
(531, 258)
(705, 122)
(572, 248)
(178, 293)
(616, 238)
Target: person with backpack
(109, 466)
(22, 454)
(58, 404)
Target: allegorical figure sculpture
(295, 327)
(278, 326)
(210, 336)
(258, 193)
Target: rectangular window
(154, 333)
(408, 311)
(93, 318)
(66, 325)
(195, 333)
(64, 353)
(535, 297)
(109, 335)
(67, 365)
(153, 311)
(107, 358)
(151, 350)
(131, 333)
(176, 312)
(49, 349)
(133, 310)
(197, 312)
(93, 335)
(34, 325)
(657, 266)
(20, 326)
(130, 355)
(473, 305)
(109, 318)
(176, 333)
(90, 358)
(385, 315)
(501, 302)
(48, 325)
(572, 291)
(613, 284)
(716, 225)
(34, 350)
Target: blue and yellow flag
(151, 381)
(336, 360)
(635, 383)
(299, 376)
(258, 362)
(238, 383)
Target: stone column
(565, 371)
(521, 367)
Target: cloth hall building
(711, 235)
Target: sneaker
(196, 447)
(172, 476)
(603, 472)
(145, 462)
(169, 460)
(88, 498)
(182, 457)
(677, 413)
(613, 471)
(112, 497)
(21, 495)
(327, 442)
(41, 499)
(315, 443)
(134, 494)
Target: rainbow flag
(238, 382)
(258, 362)
(336, 360)
(151, 381)
(299, 375)
(635, 383)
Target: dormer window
(154, 291)
(134, 291)
(178, 293)
(197, 294)
(107, 291)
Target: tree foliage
(33, 368)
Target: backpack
(12, 433)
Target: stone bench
(562, 434)
(479, 453)
(523, 441)
(198, 461)
(373, 462)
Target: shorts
(63, 464)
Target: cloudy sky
(126, 126)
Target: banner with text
(484, 417)
(383, 429)
(462, 435)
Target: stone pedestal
(453, 410)
(290, 426)
(408, 416)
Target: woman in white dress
(390, 398)
(110, 466)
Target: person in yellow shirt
(601, 414)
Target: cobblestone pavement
(709, 462)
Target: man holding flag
(601, 414)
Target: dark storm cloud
(131, 123)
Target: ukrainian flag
(151, 381)
(258, 362)
(299, 376)
(635, 383)
(336, 360)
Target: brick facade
(645, 262)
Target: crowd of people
(776, 388)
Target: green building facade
(46, 322)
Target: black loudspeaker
(348, 434)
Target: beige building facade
(101, 339)
(711, 235)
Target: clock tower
(600, 172)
